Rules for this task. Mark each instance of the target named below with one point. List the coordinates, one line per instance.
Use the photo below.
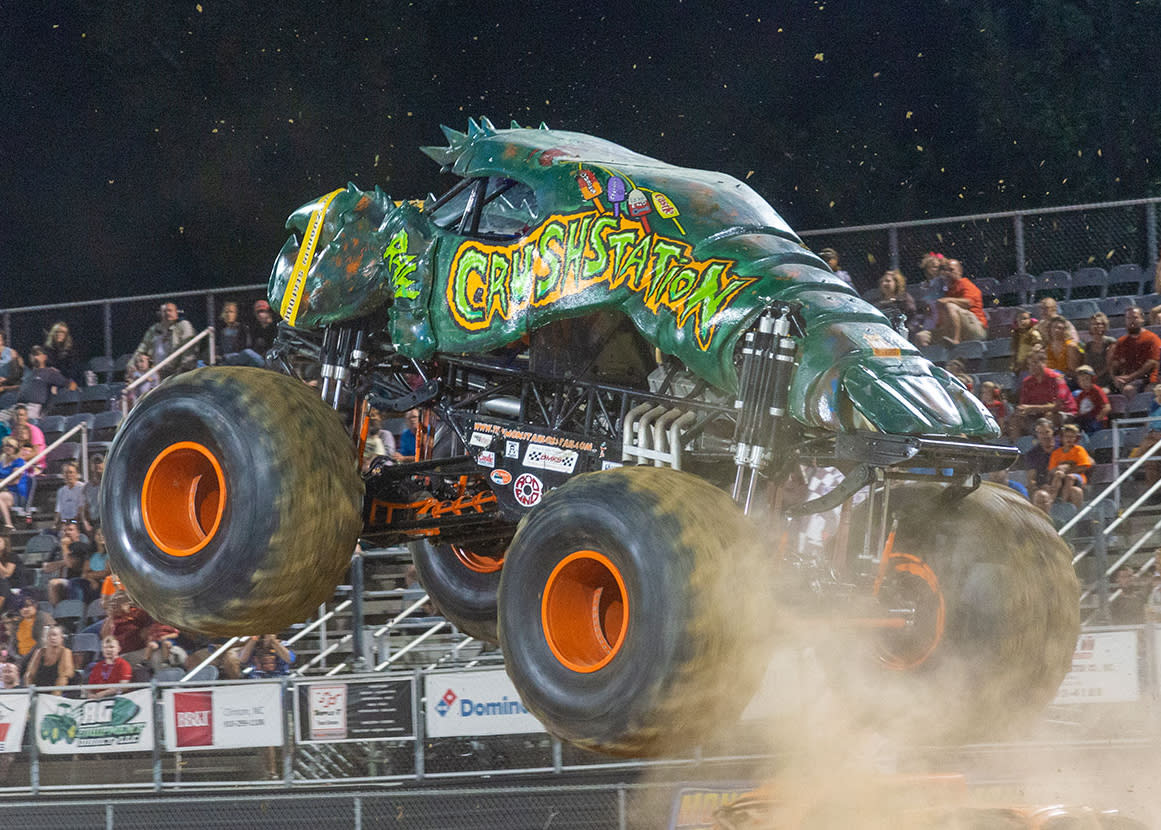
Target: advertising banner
(223, 717)
(355, 710)
(13, 716)
(1105, 669)
(474, 703)
(119, 723)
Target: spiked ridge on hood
(459, 143)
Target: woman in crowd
(1097, 348)
(233, 340)
(7, 570)
(30, 626)
(1062, 352)
(62, 355)
(892, 294)
(1025, 339)
(52, 663)
(927, 295)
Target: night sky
(160, 146)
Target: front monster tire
(231, 501)
(463, 583)
(628, 611)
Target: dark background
(159, 146)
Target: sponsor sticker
(610, 465)
(480, 439)
(193, 717)
(541, 457)
(500, 477)
(528, 489)
(486, 458)
(511, 449)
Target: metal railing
(82, 428)
(154, 372)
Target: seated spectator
(1003, 477)
(892, 295)
(232, 339)
(1134, 359)
(1025, 339)
(830, 257)
(112, 668)
(11, 366)
(927, 294)
(165, 337)
(162, 650)
(14, 494)
(375, 426)
(40, 383)
(1043, 394)
(138, 367)
(61, 353)
(1049, 311)
(960, 311)
(88, 587)
(1097, 348)
(1127, 607)
(1068, 467)
(265, 328)
(7, 572)
(1155, 316)
(70, 498)
(91, 506)
(9, 675)
(1152, 435)
(265, 656)
(1063, 354)
(51, 665)
(1039, 455)
(993, 398)
(29, 627)
(407, 438)
(956, 368)
(67, 563)
(1092, 404)
(128, 624)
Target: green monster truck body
(621, 367)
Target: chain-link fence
(999, 245)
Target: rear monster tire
(464, 585)
(995, 625)
(628, 611)
(231, 501)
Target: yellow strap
(293, 294)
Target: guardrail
(154, 371)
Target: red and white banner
(223, 717)
(13, 717)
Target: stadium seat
(990, 289)
(1089, 283)
(68, 451)
(64, 402)
(1100, 446)
(38, 549)
(1001, 320)
(1055, 284)
(120, 364)
(52, 426)
(102, 367)
(1079, 310)
(170, 674)
(936, 352)
(86, 642)
(998, 354)
(1139, 406)
(1016, 289)
(1125, 280)
(69, 612)
(95, 610)
(1004, 380)
(970, 353)
(105, 425)
(1118, 405)
(96, 398)
(1115, 306)
(85, 418)
(8, 398)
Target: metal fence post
(107, 319)
(1102, 558)
(287, 712)
(358, 640)
(622, 811)
(1018, 235)
(358, 813)
(154, 695)
(109, 823)
(33, 748)
(418, 724)
(893, 246)
(1151, 252)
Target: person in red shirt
(1068, 466)
(1133, 363)
(127, 624)
(112, 669)
(960, 311)
(1043, 394)
(1092, 404)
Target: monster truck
(621, 368)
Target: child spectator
(1097, 348)
(1068, 466)
(993, 398)
(1025, 339)
(113, 668)
(1039, 455)
(830, 257)
(138, 367)
(265, 328)
(1092, 404)
(265, 656)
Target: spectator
(407, 438)
(61, 354)
(1003, 477)
(1025, 339)
(1039, 455)
(165, 337)
(892, 294)
(112, 669)
(7, 572)
(8, 356)
(1097, 348)
(1155, 315)
(927, 294)
(1043, 394)
(1049, 311)
(40, 382)
(15, 494)
(70, 498)
(265, 329)
(1127, 607)
(31, 624)
(1092, 404)
(128, 624)
(831, 258)
(1134, 359)
(1069, 466)
(1062, 353)
(88, 587)
(51, 664)
(375, 425)
(11, 371)
(993, 398)
(232, 339)
(24, 430)
(67, 562)
(161, 648)
(960, 311)
(138, 367)
(1152, 436)
(91, 505)
(9, 675)
(265, 656)
(956, 368)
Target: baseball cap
(261, 305)
(1085, 370)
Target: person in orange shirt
(960, 311)
(1068, 465)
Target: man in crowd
(960, 311)
(1133, 363)
(1043, 394)
(40, 382)
(1039, 456)
(265, 328)
(70, 498)
(266, 656)
(165, 337)
(1049, 311)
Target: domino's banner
(223, 717)
(461, 704)
(13, 716)
(118, 723)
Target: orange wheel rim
(910, 579)
(183, 498)
(585, 611)
(478, 562)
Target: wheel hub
(183, 498)
(585, 611)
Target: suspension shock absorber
(342, 348)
